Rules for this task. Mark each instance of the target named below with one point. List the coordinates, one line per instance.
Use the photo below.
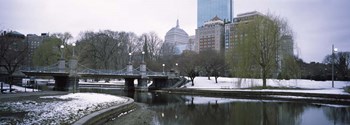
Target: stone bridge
(67, 75)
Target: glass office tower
(207, 9)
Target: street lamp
(143, 57)
(163, 68)
(62, 47)
(177, 68)
(73, 48)
(129, 58)
(334, 50)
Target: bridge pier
(142, 84)
(160, 83)
(61, 65)
(61, 83)
(66, 83)
(129, 84)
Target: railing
(82, 70)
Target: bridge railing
(109, 72)
(40, 69)
(151, 73)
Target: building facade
(211, 35)
(232, 34)
(193, 45)
(34, 42)
(207, 9)
(178, 38)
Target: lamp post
(177, 68)
(143, 57)
(62, 47)
(333, 58)
(73, 48)
(129, 58)
(163, 68)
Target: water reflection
(172, 109)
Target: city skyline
(317, 24)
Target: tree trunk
(264, 80)
(208, 77)
(216, 79)
(2, 87)
(192, 80)
(10, 83)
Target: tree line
(259, 53)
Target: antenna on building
(177, 23)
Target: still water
(174, 109)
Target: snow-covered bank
(231, 84)
(17, 88)
(63, 109)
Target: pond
(175, 109)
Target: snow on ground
(64, 109)
(214, 100)
(230, 84)
(112, 82)
(17, 88)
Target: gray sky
(317, 24)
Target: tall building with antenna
(208, 9)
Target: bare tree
(151, 46)
(13, 52)
(341, 63)
(64, 37)
(187, 65)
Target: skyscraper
(207, 9)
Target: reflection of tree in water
(241, 113)
(267, 113)
(339, 116)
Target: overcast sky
(317, 24)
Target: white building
(177, 37)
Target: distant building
(232, 34)
(178, 38)
(211, 35)
(192, 44)
(34, 41)
(207, 9)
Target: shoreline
(111, 115)
(339, 99)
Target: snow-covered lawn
(17, 88)
(231, 84)
(112, 82)
(63, 109)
